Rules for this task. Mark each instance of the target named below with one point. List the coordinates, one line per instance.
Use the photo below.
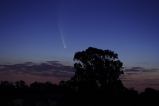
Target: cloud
(141, 78)
(135, 77)
(140, 69)
(46, 70)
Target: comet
(63, 41)
(59, 24)
(62, 37)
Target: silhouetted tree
(96, 67)
(20, 84)
(96, 77)
(6, 85)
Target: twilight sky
(40, 30)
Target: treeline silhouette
(96, 82)
(47, 94)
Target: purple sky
(39, 30)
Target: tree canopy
(97, 67)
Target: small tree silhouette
(20, 84)
(97, 68)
